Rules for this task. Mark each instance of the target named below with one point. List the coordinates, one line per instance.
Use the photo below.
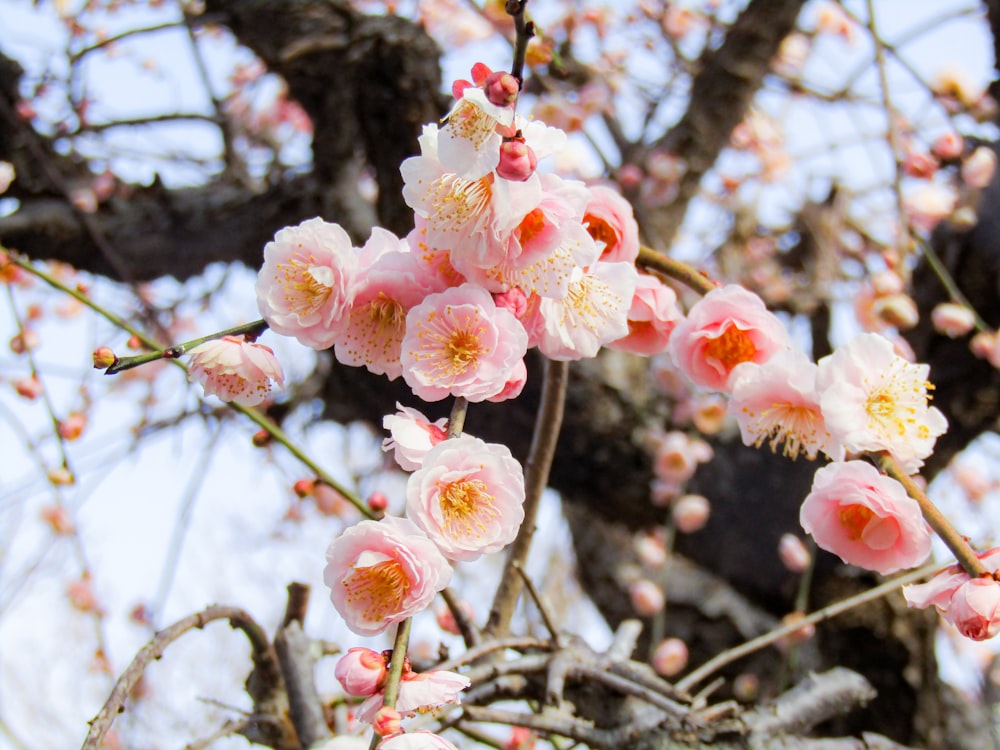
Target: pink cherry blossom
(514, 385)
(978, 168)
(593, 314)
(381, 572)
(373, 331)
(305, 287)
(651, 318)
(777, 402)
(419, 692)
(468, 497)
(458, 343)
(361, 672)
(411, 435)
(794, 554)
(865, 518)
(874, 400)
(610, 220)
(971, 604)
(419, 740)
(235, 370)
(727, 326)
(469, 142)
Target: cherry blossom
(593, 313)
(865, 518)
(469, 142)
(361, 671)
(777, 402)
(381, 572)
(419, 692)
(652, 318)
(305, 287)
(971, 604)
(727, 326)
(235, 370)
(467, 497)
(411, 435)
(610, 221)
(458, 343)
(874, 400)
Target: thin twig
(391, 693)
(539, 604)
(675, 269)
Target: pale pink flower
(865, 518)
(874, 400)
(651, 318)
(952, 320)
(305, 286)
(458, 343)
(469, 141)
(420, 692)
(971, 604)
(467, 497)
(411, 435)
(948, 146)
(361, 672)
(986, 345)
(677, 456)
(670, 657)
(690, 513)
(928, 203)
(374, 329)
(777, 402)
(514, 385)
(610, 220)
(381, 572)
(593, 314)
(955, 83)
(419, 740)
(978, 167)
(235, 370)
(727, 326)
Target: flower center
(466, 506)
(854, 519)
(463, 350)
(386, 312)
(531, 226)
(379, 589)
(455, 202)
(601, 231)
(731, 347)
(307, 286)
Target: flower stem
(249, 330)
(391, 693)
(523, 31)
(675, 269)
(957, 543)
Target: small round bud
(61, 476)
(72, 427)
(25, 341)
(517, 160)
(897, 310)
(948, 147)
(261, 438)
(647, 598)
(378, 502)
(304, 487)
(134, 343)
(387, 722)
(746, 687)
(501, 88)
(977, 170)
(793, 553)
(104, 357)
(29, 388)
(670, 657)
(952, 320)
(651, 551)
(58, 519)
(690, 513)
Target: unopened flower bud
(986, 345)
(647, 598)
(514, 300)
(501, 88)
(670, 657)
(304, 487)
(29, 388)
(746, 687)
(796, 637)
(897, 310)
(261, 438)
(60, 476)
(952, 320)
(651, 551)
(361, 672)
(793, 553)
(25, 341)
(58, 519)
(887, 282)
(72, 427)
(517, 160)
(378, 502)
(690, 513)
(948, 146)
(919, 164)
(387, 722)
(978, 169)
(104, 357)
(134, 342)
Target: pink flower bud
(387, 722)
(378, 502)
(25, 341)
(647, 598)
(887, 282)
(446, 619)
(361, 672)
(517, 160)
(746, 687)
(304, 487)
(796, 637)
(81, 595)
(261, 438)
(670, 657)
(29, 388)
(104, 357)
(501, 88)
(897, 310)
(690, 513)
(977, 170)
(651, 551)
(72, 427)
(61, 476)
(948, 147)
(793, 553)
(952, 320)
(919, 164)
(58, 519)
(986, 345)
(514, 300)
